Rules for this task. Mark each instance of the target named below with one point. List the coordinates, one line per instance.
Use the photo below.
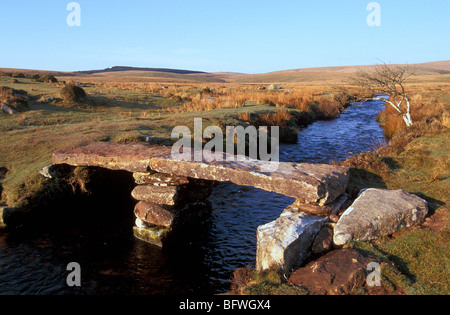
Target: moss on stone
(152, 235)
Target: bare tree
(388, 80)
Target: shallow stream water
(113, 262)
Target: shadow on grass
(362, 179)
(391, 163)
(101, 102)
(433, 203)
(395, 272)
(402, 266)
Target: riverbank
(413, 261)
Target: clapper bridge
(170, 192)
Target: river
(112, 261)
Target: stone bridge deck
(308, 183)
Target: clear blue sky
(251, 36)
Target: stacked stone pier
(167, 202)
(170, 192)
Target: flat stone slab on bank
(336, 273)
(313, 183)
(377, 213)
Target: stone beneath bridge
(311, 183)
(170, 217)
(163, 195)
(159, 179)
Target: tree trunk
(406, 116)
(407, 119)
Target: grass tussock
(73, 94)
(128, 137)
(16, 99)
(422, 255)
(281, 118)
(285, 119)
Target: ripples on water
(113, 262)
(355, 131)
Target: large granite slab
(312, 183)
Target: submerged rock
(156, 223)
(152, 235)
(377, 213)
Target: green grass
(414, 262)
(424, 168)
(423, 256)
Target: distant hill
(336, 74)
(438, 71)
(122, 68)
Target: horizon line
(141, 68)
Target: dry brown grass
(326, 102)
(279, 118)
(242, 278)
(427, 103)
